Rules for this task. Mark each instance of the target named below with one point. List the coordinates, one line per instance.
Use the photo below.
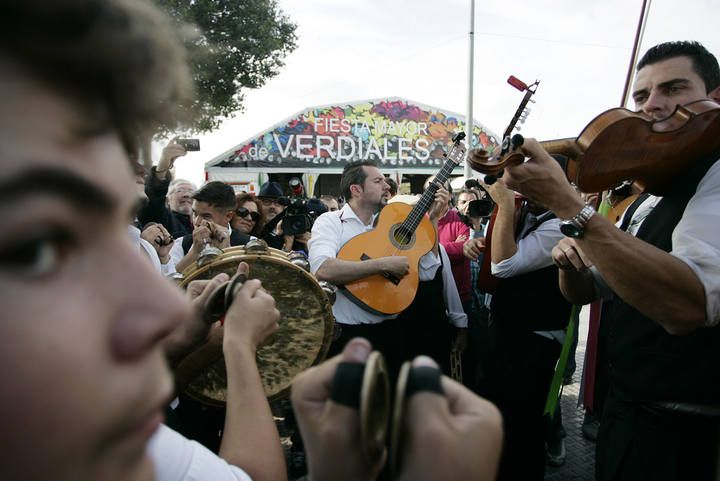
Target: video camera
(478, 209)
(297, 217)
(300, 212)
(300, 215)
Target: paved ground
(580, 464)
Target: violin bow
(642, 21)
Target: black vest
(646, 362)
(531, 301)
(237, 238)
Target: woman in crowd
(248, 216)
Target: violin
(620, 145)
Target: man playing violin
(662, 417)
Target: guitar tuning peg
(522, 120)
(527, 111)
(532, 100)
(518, 128)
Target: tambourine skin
(306, 323)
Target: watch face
(570, 230)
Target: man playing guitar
(364, 186)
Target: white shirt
(533, 251)
(329, 233)
(177, 458)
(176, 255)
(145, 247)
(456, 314)
(696, 239)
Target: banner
(394, 132)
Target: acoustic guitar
(401, 230)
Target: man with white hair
(170, 203)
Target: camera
(478, 209)
(191, 145)
(300, 215)
(297, 217)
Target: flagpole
(469, 124)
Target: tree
(239, 44)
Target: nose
(145, 315)
(656, 104)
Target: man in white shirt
(364, 186)
(213, 208)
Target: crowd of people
(95, 326)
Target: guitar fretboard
(426, 200)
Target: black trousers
(387, 337)
(637, 443)
(421, 329)
(519, 370)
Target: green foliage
(240, 44)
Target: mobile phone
(191, 145)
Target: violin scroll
(481, 161)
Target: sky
(419, 50)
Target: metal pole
(469, 124)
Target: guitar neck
(428, 197)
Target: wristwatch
(575, 226)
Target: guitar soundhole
(402, 236)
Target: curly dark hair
(244, 197)
(120, 58)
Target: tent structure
(407, 140)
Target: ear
(229, 215)
(356, 189)
(715, 94)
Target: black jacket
(156, 210)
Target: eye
(37, 255)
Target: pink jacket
(450, 229)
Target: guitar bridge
(394, 279)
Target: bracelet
(575, 226)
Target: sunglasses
(270, 201)
(242, 212)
